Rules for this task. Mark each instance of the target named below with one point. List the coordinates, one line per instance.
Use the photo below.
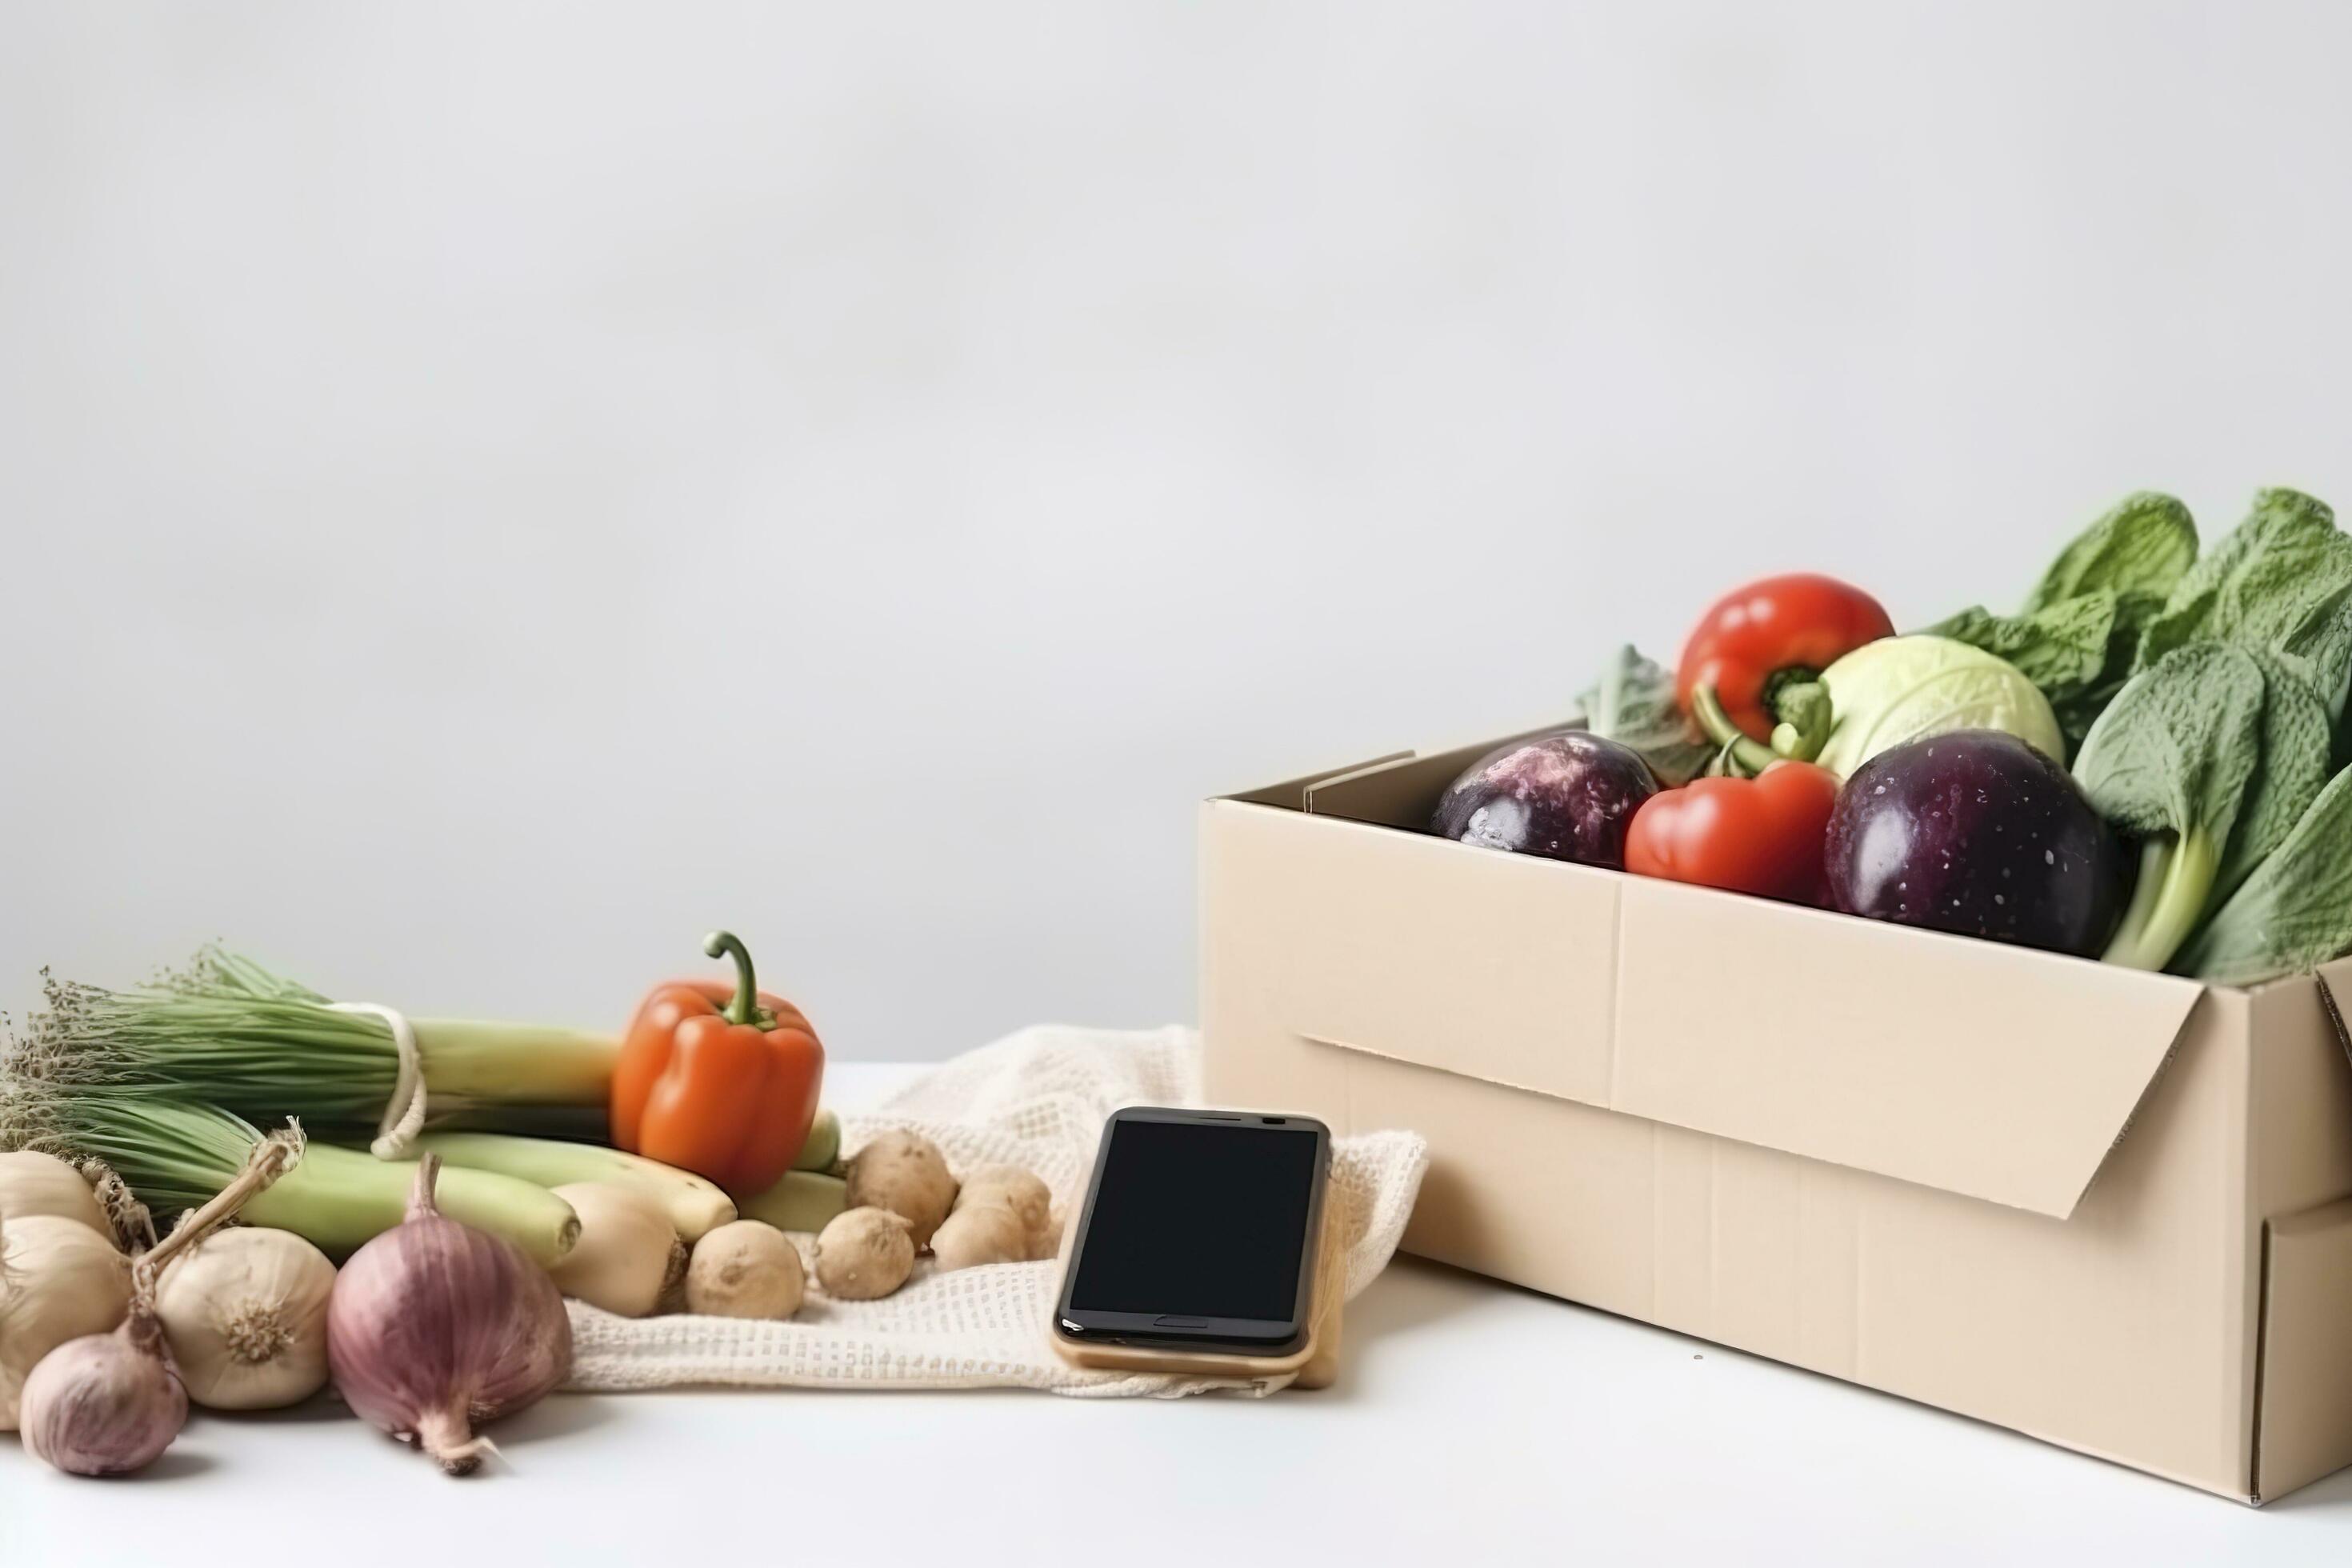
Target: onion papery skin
(434, 1327)
(105, 1405)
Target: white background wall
(489, 492)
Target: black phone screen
(1203, 1220)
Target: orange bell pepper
(718, 1078)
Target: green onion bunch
(225, 1031)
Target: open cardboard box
(2110, 1209)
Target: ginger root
(977, 1234)
(1001, 1214)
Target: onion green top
(226, 1031)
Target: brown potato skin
(863, 1255)
(905, 1174)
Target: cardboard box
(2110, 1209)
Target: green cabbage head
(1907, 689)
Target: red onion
(433, 1326)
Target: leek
(801, 1200)
(694, 1205)
(821, 1151)
(225, 1031)
(177, 1156)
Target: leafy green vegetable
(1906, 689)
(1633, 704)
(2062, 643)
(2296, 911)
(2078, 636)
(2321, 647)
(2062, 647)
(2289, 772)
(2279, 580)
(2201, 694)
(2170, 760)
(2138, 550)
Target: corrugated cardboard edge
(1292, 794)
(2305, 1327)
(2154, 1077)
(2334, 1011)
(1463, 755)
(2253, 1495)
(2332, 1007)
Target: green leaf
(2294, 913)
(2063, 647)
(2291, 772)
(2321, 647)
(2176, 748)
(2078, 636)
(2276, 582)
(2171, 761)
(1633, 704)
(2140, 548)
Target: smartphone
(1199, 1232)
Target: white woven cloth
(1037, 1099)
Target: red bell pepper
(1762, 836)
(1758, 641)
(729, 1094)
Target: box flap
(1389, 947)
(1972, 1067)
(2305, 1427)
(1291, 794)
(1976, 1067)
(1402, 790)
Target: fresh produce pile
(2149, 761)
(512, 1166)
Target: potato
(864, 1254)
(744, 1269)
(904, 1172)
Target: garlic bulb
(59, 1281)
(105, 1405)
(245, 1312)
(32, 1183)
(628, 1255)
(433, 1326)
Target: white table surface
(1472, 1422)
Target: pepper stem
(1805, 719)
(745, 1008)
(1749, 755)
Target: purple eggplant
(1976, 832)
(1570, 796)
